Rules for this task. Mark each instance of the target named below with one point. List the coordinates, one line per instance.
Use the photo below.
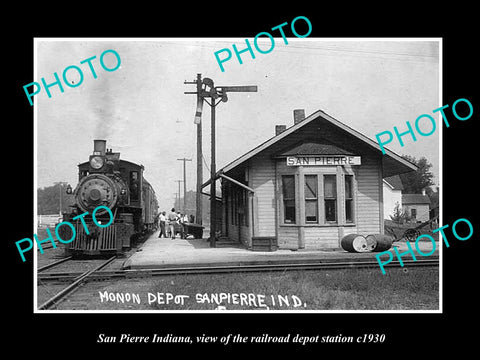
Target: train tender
(119, 185)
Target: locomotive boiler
(119, 185)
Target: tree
(399, 215)
(414, 181)
(48, 199)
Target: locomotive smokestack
(99, 147)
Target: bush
(399, 215)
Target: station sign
(330, 160)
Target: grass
(347, 289)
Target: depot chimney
(279, 129)
(298, 115)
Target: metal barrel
(355, 243)
(382, 242)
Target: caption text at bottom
(239, 339)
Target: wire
(205, 162)
(386, 55)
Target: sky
(141, 110)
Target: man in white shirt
(172, 220)
(183, 220)
(163, 219)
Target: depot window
(320, 198)
(349, 198)
(330, 198)
(288, 186)
(311, 199)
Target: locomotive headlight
(96, 162)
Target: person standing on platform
(184, 226)
(163, 220)
(172, 220)
(180, 222)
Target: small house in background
(417, 206)
(307, 187)
(392, 195)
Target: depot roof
(392, 163)
(395, 182)
(315, 148)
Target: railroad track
(55, 263)
(219, 269)
(46, 247)
(77, 280)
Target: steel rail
(77, 281)
(47, 247)
(55, 263)
(219, 269)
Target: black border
(405, 332)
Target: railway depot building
(306, 187)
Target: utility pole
(60, 188)
(178, 181)
(198, 122)
(184, 184)
(213, 93)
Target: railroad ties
(222, 268)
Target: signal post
(214, 93)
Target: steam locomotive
(119, 185)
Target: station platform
(165, 252)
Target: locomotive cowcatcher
(119, 185)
